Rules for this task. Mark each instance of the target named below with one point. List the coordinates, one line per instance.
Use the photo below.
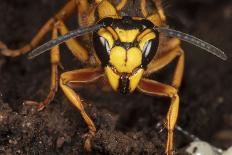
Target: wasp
(125, 50)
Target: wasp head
(125, 46)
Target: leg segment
(143, 4)
(106, 9)
(157, 17)
(82, 12)
(62, 14)
(77, 50)
(155, 88)
(74, 79)
(166, 57)
(160, 10)
(55, 59)
(179, 71)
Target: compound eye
(102, 48)
(149, 51)
(105, 44)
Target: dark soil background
(126, 124)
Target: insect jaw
(123, 83)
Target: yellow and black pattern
(125, 47)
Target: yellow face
(125, 52)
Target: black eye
(102, 48)
(149, 51)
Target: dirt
(126, 124)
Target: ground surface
(126, 125)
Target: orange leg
(65, 12)
(106, 9)
(154, 88)
(168, 53)
(86, 13)
(77, 51)
(157, 17)
(56, 24)
(143, 4)
(160, 9)
(55, 59)
(74, 46)
(77, 78)
(82, 12)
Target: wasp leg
(85, 16)
(143, 4)
(65, 12)
(157, 17)
(168, 54)
(106, 9)
(102, 7)
(77, 50)
(160, 9)
(179, 71)
(55, 59)
(82, 12)
(86, 13)
(77, 78)
(154, 88)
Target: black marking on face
(124, 84)
(102, 48)
(149, 50)
(126, 45)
